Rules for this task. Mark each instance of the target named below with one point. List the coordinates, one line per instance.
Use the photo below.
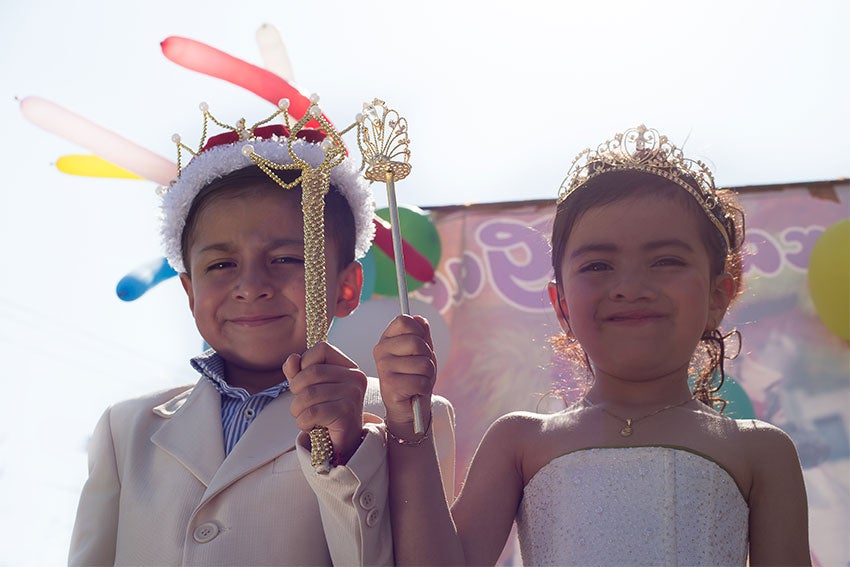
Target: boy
(212, 473)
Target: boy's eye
(220, 266)
(288, 260)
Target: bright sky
(499, 97)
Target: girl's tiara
(644, 149)
(317, 153)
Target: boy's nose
(252, 285)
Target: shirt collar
(211, 366)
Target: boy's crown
(645, 149)
(272, 147)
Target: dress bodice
(632, 506)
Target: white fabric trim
(218, 161)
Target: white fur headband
(218, 161)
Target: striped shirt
(239, 409)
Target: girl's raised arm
(424, 532)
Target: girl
(641, 470)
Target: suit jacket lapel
(192, 431)
(272, 434)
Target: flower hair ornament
(646, 150)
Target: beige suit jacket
(161, 492)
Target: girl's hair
(707, 362)
(251, 180)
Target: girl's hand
(329, 389)
(407, 367)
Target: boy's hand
(407, 367)
(329, 390)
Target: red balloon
(210, 61)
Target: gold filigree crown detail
(646, 150)
(286, 132)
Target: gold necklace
(627, 429)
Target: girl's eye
(669, 262)
(595, 267)
(288, 260)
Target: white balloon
(357, 334)
(274, 53)
(102, 142)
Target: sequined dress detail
(632, 506)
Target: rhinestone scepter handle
(383, 141)
(313, 188)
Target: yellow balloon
(829, 278)
(92, 166)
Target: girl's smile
(634, 317)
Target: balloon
(92, 166)
(738, 404)
(417, 230)
(139, 281)
(210, 61)
(273, 52)
(829, 278)
(357, 334)
(98, 140)
(416, 265)
(368, 263)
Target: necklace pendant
(626, 430)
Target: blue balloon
(139, 281)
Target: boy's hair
(616, 185)
(339, 220)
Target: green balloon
(738, 404)
(418, 230)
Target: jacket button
(206, 532)
(372, 517)
(367, 500)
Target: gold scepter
(315, 183)
(382, 139)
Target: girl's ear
(559, 304)
(723, 291)
(349, 286)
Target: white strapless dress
(632, 506)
